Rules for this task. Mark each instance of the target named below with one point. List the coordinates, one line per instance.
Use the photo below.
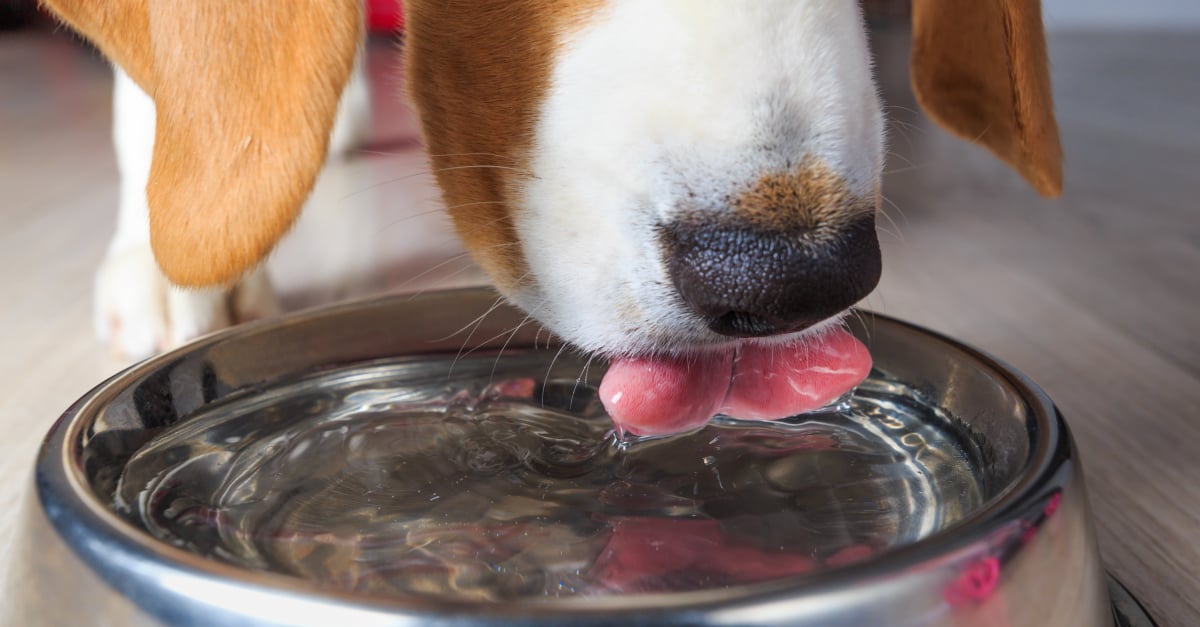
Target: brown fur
(478, 72)
(809, 197)
(246, 92)
(979, 68)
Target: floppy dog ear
(246, 92)
(979, 68)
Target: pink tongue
(660, 396)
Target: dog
(643, 177)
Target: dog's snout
(747, 281)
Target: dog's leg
(353, 122)
(136, 311)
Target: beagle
(650, 179)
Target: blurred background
(1094, 295)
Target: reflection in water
(408, 477)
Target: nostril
(747, 281)
(743, 324)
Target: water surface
(470, 481)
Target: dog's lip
(710, 342)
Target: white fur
(656, 105)
(136, 311)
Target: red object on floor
(384, 16)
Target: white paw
(138, 313)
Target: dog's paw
(138, 313)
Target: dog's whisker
(429, 172)
(474, 203)
(474, 322)
(387, 153)
(874, 301)
(411, 216)
(902, 108)
(382, 153)
(904, 125)
(909, 162)
(582, 377)
(862, 320)
(438, 211)
(498, 220)
(435, 268)
(511, 335)
(478, 322)
(894, 206)
(374, 186)
(499, 335)
(467, 154)
(546, 380)
(443, 281)
(457, 257)
(896, 128)
(891, 233)
(894, 121)
(894, 231)
(911, 168)
(484, 166)
(537, 336)
(529, 317)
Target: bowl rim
(117, 549)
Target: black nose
(751, 282)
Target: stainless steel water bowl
(1023, 555)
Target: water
(411, 477)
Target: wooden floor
(1095, 296)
